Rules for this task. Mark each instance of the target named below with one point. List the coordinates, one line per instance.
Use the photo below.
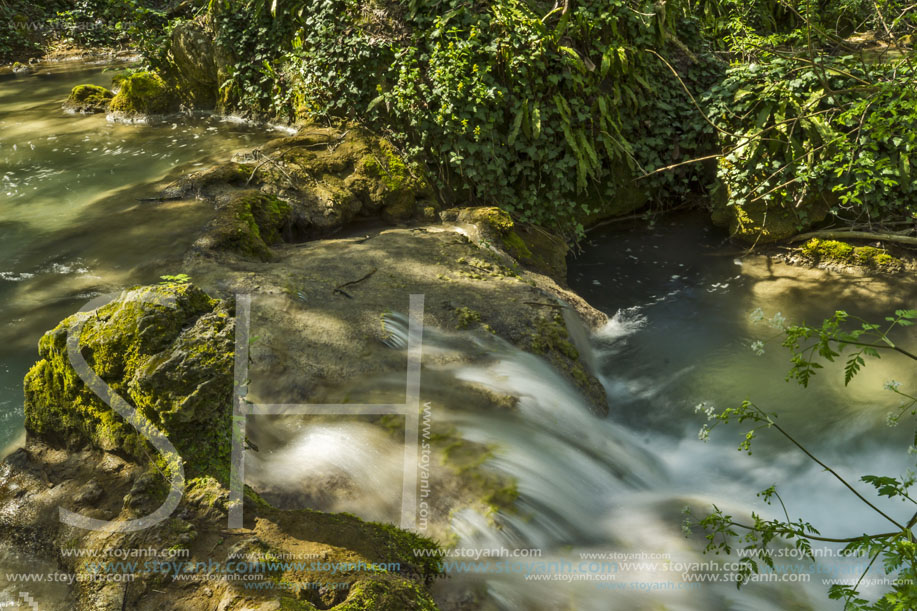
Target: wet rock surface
(330, 233)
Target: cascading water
(588, 485)
(585, 485)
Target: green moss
(516, 247)
(345, 174)
(89, 98)
(466, 316)
(389, 168)
(874, 257)
(387, 593)
(492, 218)
(758, 223)
(834, 251)
(117, 80)
(828, 250)
(144, 93)
(551, 335)
(392, 185)
(249, 223)
(172, 361)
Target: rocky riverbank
(329, 232)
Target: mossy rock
(89, 99)
(167, 350)
(195, 67)
(144, 94)
(249, 223)
(333, 176)
(842, 253)
(764, 222)
(531, 245)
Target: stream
(71, 223)
(680, 340)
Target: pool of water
(72, 223)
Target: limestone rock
(166, 349)
(89, 99)
(143, 94)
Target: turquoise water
(71, 225)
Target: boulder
(167, 349)
(143, 94)
(89, 99)
(195, 65)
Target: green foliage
(562, 115)
(833, 131)
(896, 548)
(27, 28)
(256, 39)
(541, 112)
(749, 26)
(514, 103)
(23, 27)
(95, 23)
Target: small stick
(338, 290)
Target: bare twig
(339, 290)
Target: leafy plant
(551, 113)
(834, 131)
(896, 548)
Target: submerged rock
(143, 94)
(89, 99)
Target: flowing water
(72, 225)
(680, 335)
(680, 340)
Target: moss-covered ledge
(842, 254)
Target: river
(681, 339)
